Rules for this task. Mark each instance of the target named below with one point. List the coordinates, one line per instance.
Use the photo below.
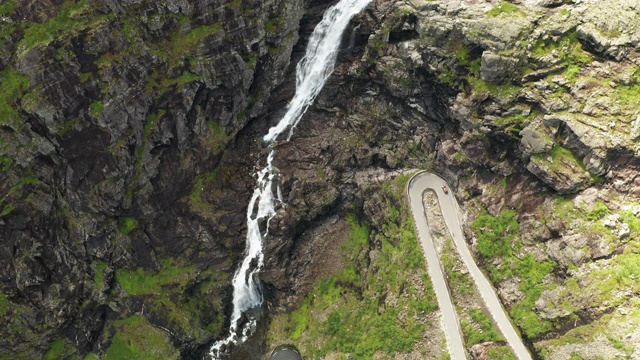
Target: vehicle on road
(445, 189)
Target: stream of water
(311, 74)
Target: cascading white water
(311, 74)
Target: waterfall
(311, 74)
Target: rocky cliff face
(129, 131)
(113, 114)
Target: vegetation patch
(480, 86)
(60, 349)
(96, 108)
(69, 19)
(503, 7)
(627, 95)
(136, 338)
(615, 327)
(4, 304)
(498, 241)
(501, 353)
(12, 87)
(140, 281)
(127, 225)
(216, 138)
(569, 50)
(197, 203)
(98, 279)
(481, 330)
(598, 211)
(186, 78)
(559, 158)
(195, 312)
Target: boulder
(497, 69)
(536, 139)
(562, 172)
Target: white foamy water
(311, 74)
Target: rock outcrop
(112, 115)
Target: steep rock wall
(111, 115)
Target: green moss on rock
(136, 338)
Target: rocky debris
(611, 221)
(600, 246)
(571, 249)
(545, 305)
(534, 231)
(509, 291)
(481, 351)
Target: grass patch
(572, 73)
(599, 211)
(186, 78)
(6, 210)
(149, 126)
(96, 108)
(503, 7)
(501, 353)
(12, 87)
(136, 338)
(8, 7)
(127, 225)
(531, 273)
(560, 158)
(4, 304)
(569, 48)
(216, 138)
(197, 35)
(69, 19)
(482, 331)
(60, 349)
(627, 95)
(499, 237)
(139, 281)
(480, 86)
(98, 278)
(196, 202)
(196, 313)
(496, 235)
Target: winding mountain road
(416, 187)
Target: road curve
(285, 353)
(416, 187)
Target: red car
(444, 188)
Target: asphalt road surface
(285, 353)
(416, 187)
